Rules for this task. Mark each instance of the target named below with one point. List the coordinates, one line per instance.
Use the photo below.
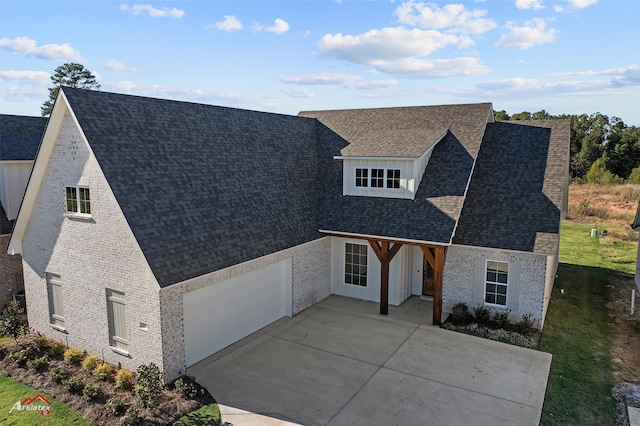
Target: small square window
(393, 178)
(377, 178)
(362, 177)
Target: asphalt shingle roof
(20, 136)
(432, 215)
(516, 193)
(203, 187)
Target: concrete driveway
(340, 363)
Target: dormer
(387, 164)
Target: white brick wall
(459, 279)
(310, 284)
(90, 256)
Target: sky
(563, 56)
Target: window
(496, 283)
(78, 200)
(116, 311)
(362, 176)
(377, 178)
(54, 291)
(393, 178)
(355, 264)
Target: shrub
(103, 372)
(3, 352)
(131, 418)
(460, 314)
(150, 385)
(22, 356)
(187, 387)
(124, 380)
(92, 392)
(41, 342)
(448, 326)
(90, 362)
(73, 356)
(59, 374)
(14, 324)
(115, 407)
(38, 363)
(482, 314)
(502, 318)
(74, 385)
(526, 325)
(57, 350)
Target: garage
(223, 313)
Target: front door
(427, 277)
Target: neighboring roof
(432, 215)
(515, 197)
(203, 187)
(6, 225)
(20, 136)
(403, 131)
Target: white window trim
(506, 296)
(77, 213)
(344, 264)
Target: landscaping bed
(103, 394)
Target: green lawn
(576, 329)
(11, 392)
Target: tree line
(603, 150)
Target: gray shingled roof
(432, 215)
(203, 187)
(515, 197)
(20, 136)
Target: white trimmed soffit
(473, 167)
(341, 234)
(37, 173)
(493, 249)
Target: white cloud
(230, 23)
(533, 33)
(581, 4)
(300, 93)
(432, 68)
(38, 78)
(629, 76)
(454, 17)
(349, 81)
(117, 66)
(384, 44)
(558, 8)
(153, 12)
(529, 4)
(280, 26)
(54, 52)
(22, 94)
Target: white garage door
(223, 313)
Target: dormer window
(393, 178)
(78, 200)
(362, 177)
(377, 178)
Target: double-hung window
(496, 283)
(54, 293)
(355, 264)
(78, 200)
(377, 178)
(116, 312)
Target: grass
(576, 328)
(11, 392)
(203, 416)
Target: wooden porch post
(385, 253)
(436, 260)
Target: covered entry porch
(388, 271)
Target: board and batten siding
(14, 176)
